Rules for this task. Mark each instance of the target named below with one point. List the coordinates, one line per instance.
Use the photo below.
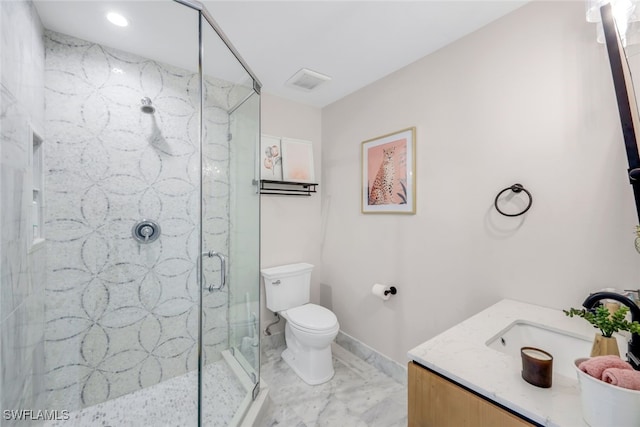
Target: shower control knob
(145, 231)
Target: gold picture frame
(388, 173)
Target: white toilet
(309, 328)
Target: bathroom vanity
(436, 401)
(470, 375)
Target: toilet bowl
(309, 331)
(309, 328)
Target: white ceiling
(354, 42)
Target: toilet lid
(311, 316)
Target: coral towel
(622, 378)
(596, 365)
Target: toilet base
(314, 368)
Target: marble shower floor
(169, 403)
(358, 395)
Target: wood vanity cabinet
(435, 401)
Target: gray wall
(529, 99)
(290, 227)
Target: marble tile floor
(169, 403)
(358, 395)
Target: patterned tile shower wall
(122, 316)
(22, 265)
(21, 269)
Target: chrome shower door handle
(223, 271)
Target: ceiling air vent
(307, 80)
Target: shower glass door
(229, 366)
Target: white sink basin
(564, 346)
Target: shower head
(146, 107)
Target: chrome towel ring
(516, 188)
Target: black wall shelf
(287, 188)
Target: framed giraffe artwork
(388, 173)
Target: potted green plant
(608, 322)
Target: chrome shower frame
(257, 86)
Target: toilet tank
(287, 286)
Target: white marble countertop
(461, 354)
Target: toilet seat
(312, 318)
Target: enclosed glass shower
(135, 260)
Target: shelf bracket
(287, 188)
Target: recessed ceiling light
(117, 19)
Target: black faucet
(633, 353)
